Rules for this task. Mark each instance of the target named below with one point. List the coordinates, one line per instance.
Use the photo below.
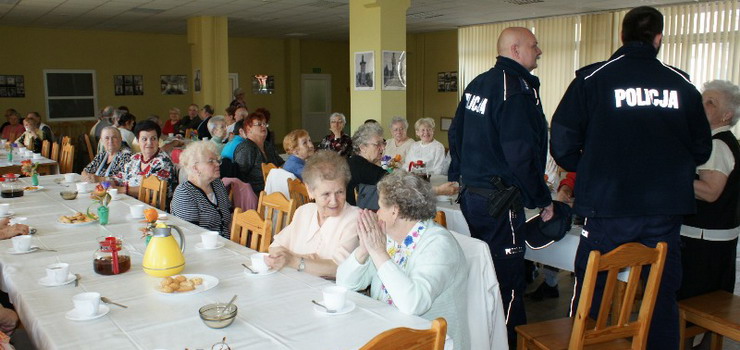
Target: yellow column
(376, 25)
(209, 53)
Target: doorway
(316, 104)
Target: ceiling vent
(523, 2)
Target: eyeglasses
(212, 161)
(378, 144)
(261, 124)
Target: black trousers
(707, 266)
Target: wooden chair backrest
(153, 191)
(411, 339)
(55, 152)
(631, 255)
(188, 133)
(277, 209)
(250, 230)
(66, 140)
(441, 218)
(45, 148)
(66, 159)
(89, 146)
(298, 192)
(266, 167)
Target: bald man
(498, 139)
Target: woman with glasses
(337, 141)
(111, 160)
(203, 200)
(254, 151)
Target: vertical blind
(702, 39)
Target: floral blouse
(343, 145)
(160, 165)
(99, 165)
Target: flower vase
(35, 179)
(103, 215)
(148, 238)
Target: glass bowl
(68, 195)
(215, 315)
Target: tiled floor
(549, 309)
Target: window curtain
(702, 39)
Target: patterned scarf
(400, 253)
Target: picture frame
(445, 123)
(394, 70)
(364, 70)
(173, 84)
(12, 86)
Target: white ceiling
(314, 19)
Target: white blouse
(391, 150)
(432, 154)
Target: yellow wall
(429, 54)
(332, 57)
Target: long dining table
(274, 311)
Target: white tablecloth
(275, 311)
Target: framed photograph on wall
(441, 82)
(365, 70)
(197, 81)
(263, 84)
(173, 84)
(394, 70)
(128, 85)
(12, 86)
(444, 123)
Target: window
(70, 94)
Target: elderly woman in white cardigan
(427, 149)
(409, 261)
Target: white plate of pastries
(186, 284)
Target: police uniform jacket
(634, 129)
(499, 129)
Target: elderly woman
(126, 123)
(253, 151)
(709, 237)
(324, 233)
(409, 261)
(150, 161)
(217, 128)
(14, 126)
(401, 143)
(111, 160)
(337, 141)
(369, 145)
(298, 144)
(171, 125)
(427, 149)
(238, 99)
(203, 200)
(32, 137)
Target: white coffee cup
(113, 192)
(29, 153)
(171, 135)
(87, 304)
(21, 243)
(258, 262)
(137, 211)
(57, 273)
(210, 239)
(37, 156)
(82, 187)
(334, 297)
(69, 177)
(4, 209)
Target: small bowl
(68, 195)
(214, 315)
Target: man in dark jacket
(634, 129)
(500, 132)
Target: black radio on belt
(504, 198)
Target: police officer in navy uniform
(634, 129)
(500, 132)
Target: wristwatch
(302, 265)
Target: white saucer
(348, 306)
(74, 316)
(443, 198)
(44, 281)
(268, 272)
(38, 188)
(219, 245)
(9, 213)
(128, 216)
(12, 250)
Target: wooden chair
(153, 191)
(441, 218)
(188, 133)
(717, 312)
(403, 338)
(89, 146)
(574, 334)
(277, 209)
(66, 140)
(266, 167)
(66, 159)
(250, 230)
(298, 192)
(55, 152)
(45, 148)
